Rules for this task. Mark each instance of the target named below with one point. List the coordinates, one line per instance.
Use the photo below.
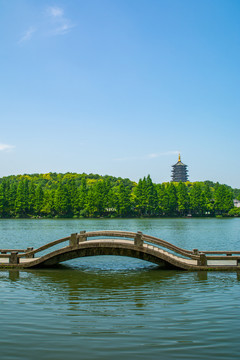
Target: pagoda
(179, 171)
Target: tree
(139, 198)
(208, 195)
(196, 199)
(160, 188)
(21, 203)
(168, 202)
(223, 199)
(152, 199)
(172, 199)
(123, 200)
(62, 200)
(31, 198)
(38, 203)
(48, 208)
(2, 199)
(73, 193)
(12, 194)
(182, 199)
(83, 196)
(91, 208)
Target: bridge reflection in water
(121, 243)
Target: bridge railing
(139, 240)
(228, 253)
(32, 251)
(77, 238)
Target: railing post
(82, 237)
(13, 259)
(29, 255)
(73, 241)
(138, 240)
(202, 259)
(195, 251)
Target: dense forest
(73, 195)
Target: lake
(113, 307)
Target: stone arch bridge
(123, 243)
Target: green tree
(83, 197)
(31, 198)
(48, 208)
(208, 195)
(182, 199)
(101, 197)
(223, 199)
(91, 208)
(160, 188)
(169, 200)
(73, 193)
(21, 203)
(146, 197)
(2, 199)
(62, 201)
(38, 203)
(196, 199)
(12, 198)
(139, 198)
(152, 198)
(172, 193)
(123, 200)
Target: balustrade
(135, 241)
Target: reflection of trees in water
(201, 275)
(81, 288)
(104, 292)
(14, 275)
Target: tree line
(80, 195)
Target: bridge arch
(106, 250)
(121, 243)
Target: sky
(120, 87)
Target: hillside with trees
(74, 195)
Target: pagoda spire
(179, 157)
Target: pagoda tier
(179, 171)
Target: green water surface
(114, 307)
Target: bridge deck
(140, 246)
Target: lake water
(114, 307)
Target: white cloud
(149, 156)
(4, 147)
(27, 35)
(157, 155)
(152, 156)
(63, 29)
(55, 11)
(51, 22)
(59, 23)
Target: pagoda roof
(179, 163)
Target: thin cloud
(63, 29)
(59, 23)
(55, 11)
(157, 155)
(148, 156)
(27, 35)
(5, 147)
(129, 158)
(51, 22)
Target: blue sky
(119, 87)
